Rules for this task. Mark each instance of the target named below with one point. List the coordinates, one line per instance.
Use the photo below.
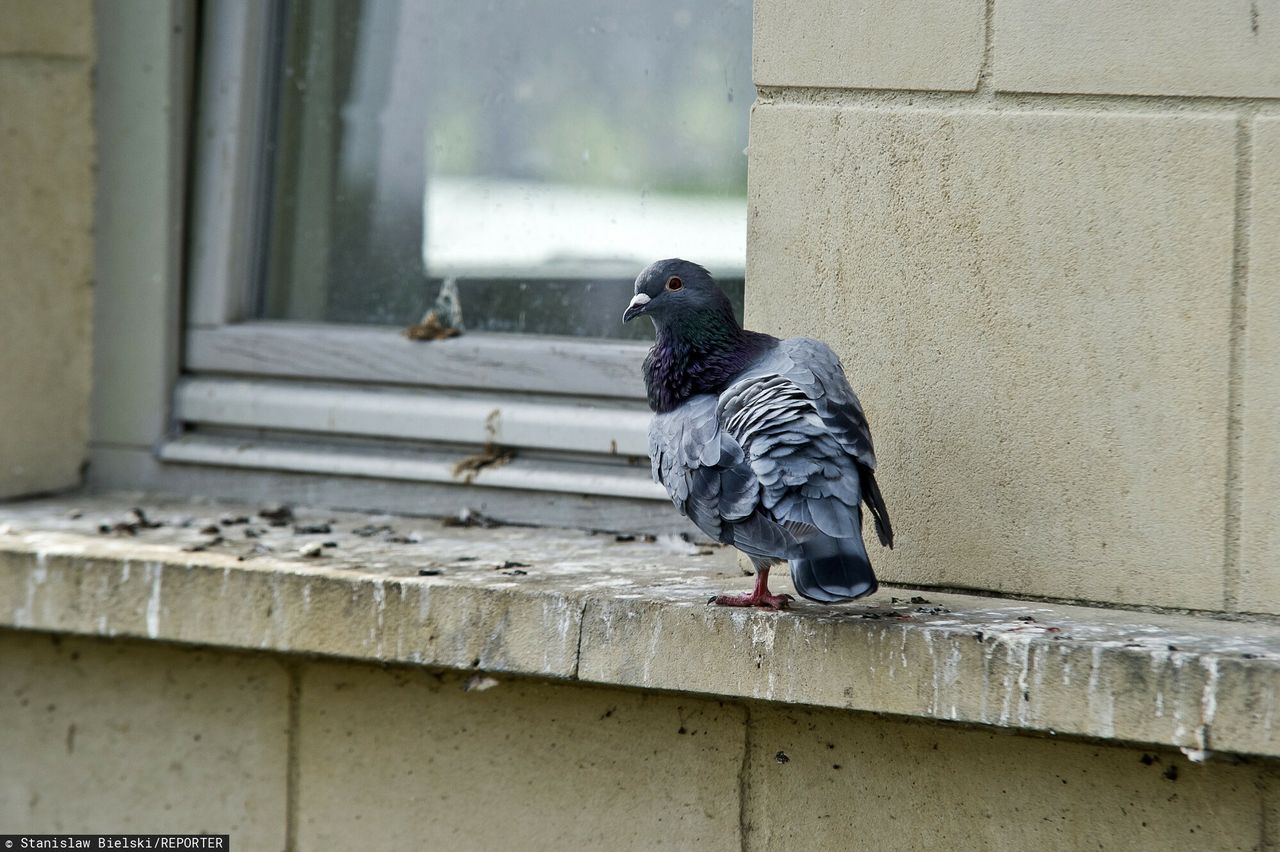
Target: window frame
(226, 227)
(263, 409)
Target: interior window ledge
(568, 604)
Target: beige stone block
(516, 765)
(1153, 47)
(1270, 783)
(123, 737)
(912, 44)
(47, 27)
(1035, 310)
(827, 780)
(46, 181)
(1260, 461)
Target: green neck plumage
(699, 352)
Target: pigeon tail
(833, 570)
(875, 502)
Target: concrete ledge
(572, 605)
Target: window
(357, 159)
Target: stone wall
(46, 242)
(290, 752)
(1045, 240)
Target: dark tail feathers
(833, 570)
(875, 502)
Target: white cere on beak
(640, 299)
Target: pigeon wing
(710, 480)
(817, 370)
(808, 481)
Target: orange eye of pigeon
(674, 283)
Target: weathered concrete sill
(568, 604)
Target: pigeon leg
(759, 596)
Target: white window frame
(359, 416)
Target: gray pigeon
(759, 441)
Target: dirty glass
(529, 156)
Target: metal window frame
(226, 225)
(357, 416)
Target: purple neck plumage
(699, 353)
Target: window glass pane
(532, 154)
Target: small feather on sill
(491, 455)
(444, 319)
(431, 328)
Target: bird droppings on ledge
(876, 615)
(323, 528)
(679, 544)
(1196, 755)
(627, 538)
(468, 517)
(419, 547)
(136, 522)
(201, 546)
(479, 683)
(631, 613)
(276, 516)
(258, 549)
(370, 530)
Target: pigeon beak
(636, 308)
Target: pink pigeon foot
(759, 596)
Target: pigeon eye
(674, 283)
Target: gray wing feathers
(711, 482)
(678, 443)
(816, 369)
(806, 477)
(703, 468)
(761, 445)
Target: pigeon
(760, 442)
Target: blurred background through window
(533, 154)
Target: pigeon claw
(765, 601)
(759, 596)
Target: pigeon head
(677, 292)
(699, 345)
